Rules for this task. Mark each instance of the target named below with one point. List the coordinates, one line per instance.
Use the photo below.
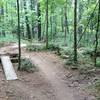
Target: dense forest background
(54, 48)
(67, 23)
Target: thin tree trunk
(46, 23)
(75, 31)
(2, 13)
(62, 20)
(19, 40)
(39, 21)
(66, 24)
(51, 22)
(27, 22)
(32, 8)
(65, 28)
(96, 35)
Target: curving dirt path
(53, 70)
(50, 83)
(62, 92)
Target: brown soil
(51, 82)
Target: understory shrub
(27, 65)
(35, 47)
(98, 62)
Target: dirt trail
(61, 90)
(53, 70)
(50, 83)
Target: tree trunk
(62, 21)
(32, 8)
(19, 40)
(27, 22)
(2, 13)
(96, 35)
(39, 21)
(75, 31)
(66, 24)
(46, 23)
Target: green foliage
(56, 11)
(35, 47)
(8, 38)
(27, 65)
(96, 89)
(30, 48)
(98, 62)
(56, 25)
(53, 47)
(86, 50)
(66, 51)
(97, 86)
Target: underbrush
(35, 47)
(95, 88)
(98, 63)
(2, 44)
(28, 66)
(8, 38)
(85, 61)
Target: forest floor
(51, 82)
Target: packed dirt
(51, 82)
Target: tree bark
(96, 35)
(19, 40)
(32, 8)
(75, 31)
(39, 21)
(27, 22)
(46, 23)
